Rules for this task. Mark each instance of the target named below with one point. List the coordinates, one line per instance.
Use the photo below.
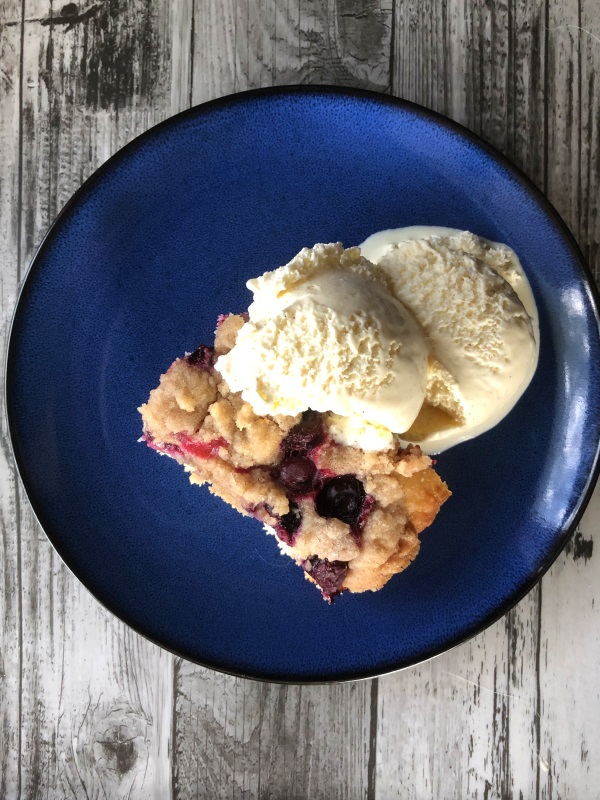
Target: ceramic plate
(135, 271)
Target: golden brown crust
(227, 332)
(179, 403)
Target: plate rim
(322, 91)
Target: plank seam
(546, 88)
(174, 719)
(538, 693)
(392, 49)
(372, 762)
(192, 37)
(505, 767)
(19, 632)
(580, 126)
(20, 136)
(17, 496)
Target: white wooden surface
(90, 710)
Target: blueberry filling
(222, 317)
(203, 358)
(308, 433)
(358, 527)
(201, 449)
(341, 497)
(289, 524)
(297, 474)
(162, 447)
(328, 575)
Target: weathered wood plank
(241, 739)
(95, 700)
(482, 64)
(10, 594)
(570, 641)
(569, 724)
(423, 36)
(461, 725)
(589, 181)
(247, 44)
(563, 108)
(474, 710)
(183, 27)
(236, 738)
(90, 87)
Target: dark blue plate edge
(234, 99)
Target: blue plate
(135, 271)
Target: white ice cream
(326, 333)
(430, 336)
(476, 309)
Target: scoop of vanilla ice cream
(483, 350)
(325, 333)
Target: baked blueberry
(297, 474)
(308, 433)
(203, 357)
(328, 575)
(342, 498)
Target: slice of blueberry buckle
(348, 517)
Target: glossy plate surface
(135, 271)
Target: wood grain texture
(483, 65)
(90, 712)
(255, 43)
(573, 46)
(97, 698)
(589, 175)
(570, 619)
(89, 87)
(243, 739)
(570, 694)
(10, 590)
(462, 725)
